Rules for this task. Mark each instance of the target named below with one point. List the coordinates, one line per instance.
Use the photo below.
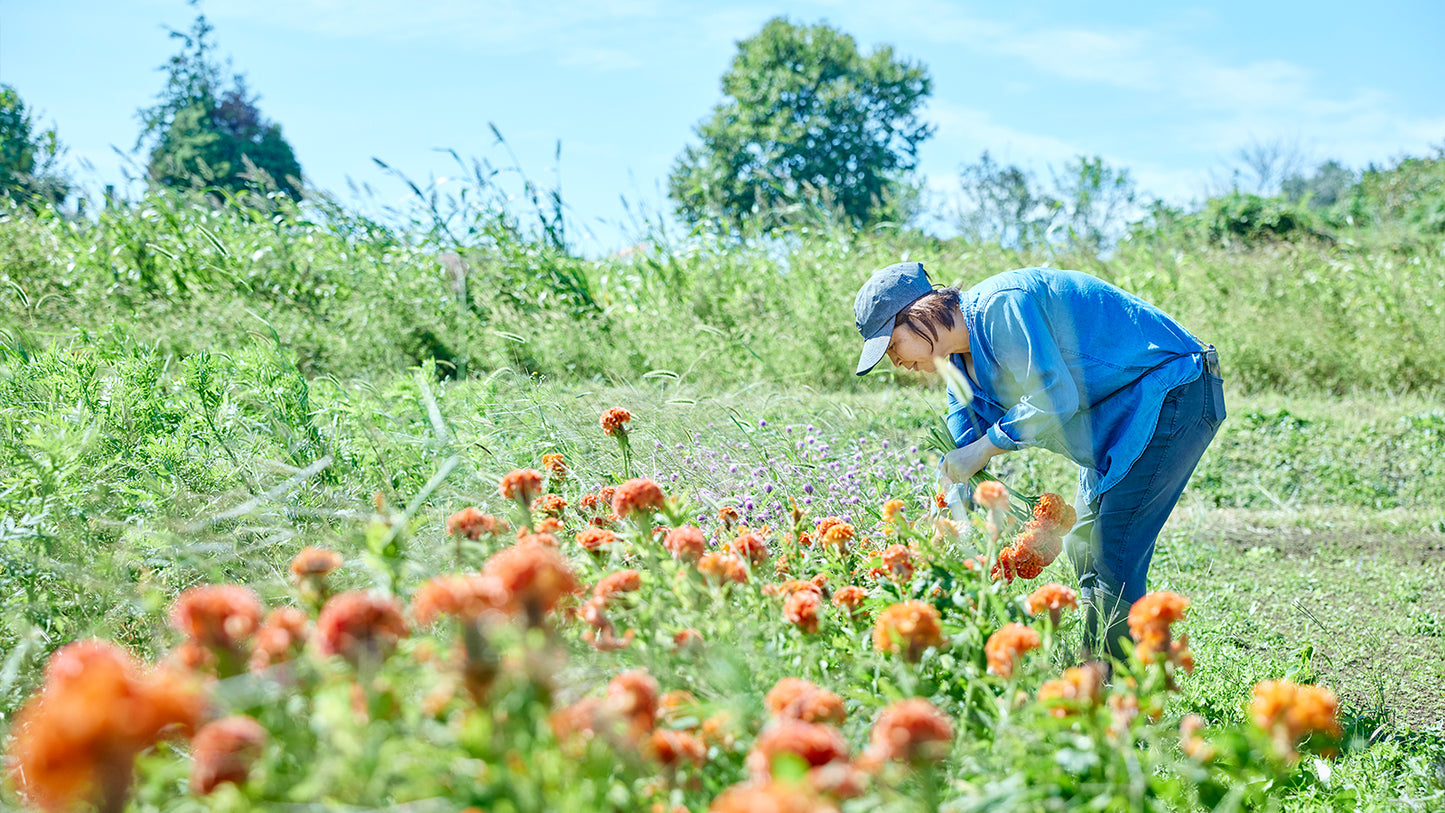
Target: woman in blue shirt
(1064, 361)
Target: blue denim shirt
(1059, 357)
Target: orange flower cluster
(521, 485)
(360, 627)
(817, 744)
(1149, 624)
(551, 505)
(1007, 645)
(891, 511)
(1039, 543)
(1053, 597)
(314, 562)
(617, 583)
(75, 741)
(463, 596)
(632, 696)
(1077, 690)
(898, 560)
(637, 494)
(223, 751)
(729, 516)
(824, 525)
(686, 543)
(217, 616)
(908, 628)
(912, 731)
(793, 698)
(850, 597)
(614, 421)
(801, 609)
(556, 467)
(279, 639)
(992, 495)
(750, 546)
(1290, 712)
(595, 540)
(1194, 746)
(723, 568)
(673, 748)
(473, 524)
(769, 797)
(535, 577)
(837, 536)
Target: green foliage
(209, 136)
(27, 157)
(1085, 207)
(807, 120)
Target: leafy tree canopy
(203, 133)
(27, 157)
(806, 119)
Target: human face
(911, 351)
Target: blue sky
(1169, 90)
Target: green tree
(806, 119)
(201, 132)
(27, 158)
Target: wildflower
(815, 743)
(463, 596)
(1079, 688)
(850, 597)
(614, 421)
(939, 501)
(1289, 713)
(721, 730)
(595, 540)
(637, 494)
(279, 639)
(824, 525)
(686, 543)
(360, 627)
(615, 584)
(908, 627)
(891, 510)
(632, 696)
(556, 467)
(992, 495)
(314, 562)
(801, 609)
(549, 504)
(1006, 646)
(793, 698)
(223, 751)
(838, 536)
(672, 748)
(769, 797)
(1053, 597)
(521, 485)
(686, 639)
(729, 516)
(898, 559)
(217, 616)
(1039, 544)
(750, 546)
(604, 521)
(473, 524)
(912, 731)
(1150, 620)
(723, 567)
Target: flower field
(781, 621)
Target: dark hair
(934, 310)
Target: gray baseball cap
(879, 300)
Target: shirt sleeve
(1019, 338)
(963, 424)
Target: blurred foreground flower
(1291, 713)
(1007, 646)
(908, 628)
(360, 627)
(223, 751)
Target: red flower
(224, 751)
(815, 743)
(750, 546)
(801, 609)
(1006, 646)
(536, 578)
(219, 616)
(686, 543)
(360, 627)
(797, 699)
(637, 494)
(521, 485)
(614, 421)
(911, 730)
(473, 524)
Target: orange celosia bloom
(815, 743)
(1041, 544)
(939, 501)
(686, 543)
(1053, 597)
(797, 699)
(723, 567)
(615, 584)
(614, 421)
(898, 560)
(219, 616)
(633, 696)
(578, 720)
(686, 639)
(1079, 688)
(637, 494)
(595, 539)
(1006, 646)
(548, 527)
(550, 504)
(801, 609)
(359, 627)
(769, 797)
(591, 502)
(991, 494)
(838, 535)
(1290, 712)
(280, 638)
(540, 537)
(223, 751)
(891, 510)
(850, 597)
(1194, 746)
(556, 467)
(1149, 623)
(521, 485)
(750, 546)
(464, 596)
(908, 627)
(823, 525)
(314, 562)
(1053, 513)
(603, 635)
(729, 515)
(672, 748)
(473, 524)
(787, 588)
(536, 578)
(911, 730)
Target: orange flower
(536, 577)
(898, 559)
(472, 523)
(838, 535)
(750, 546)
(314, 562)
(223, 751)
(615, 584)
(1290, 712)
(603, 635)
(463, 596)
(549, 504)
(1080, 688)
(850, 597)
(637, 494)
(279, 639)
(521, 485)
(801, 609)
(723, 567)
(939, 501)
(632, 695)
(548, 527)
(687, 639)
(594, 539)
(686, 543)
(1041, 544)
(360, 627)
(991, 494)
(729, 516)
(1053, 513)
(1006, 646)
(797, 699)
(591, 502)
(556, 467)
(815, 743)
(824, 524)
(218, 616)
(672, 748)
(790, 587)
(1149, 623)
(908, 628)
(891, 510)
(1194, 746)
(1053, 597)
(911, 730)
(769, 797)
(614, 421)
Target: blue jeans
(1112, 542)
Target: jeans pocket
(1214, 399)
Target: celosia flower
(592, 502)
(314, 562)
(223, 751)
(536, 577)
(769, 797)
(891, 510)
(1006, 646)
(279, 639)
(360, 627)
(464, 596)
(595, 540)
(1053, 597)
(633, 696)
(1194, 746)
(637, 494)
(1053, 513)
(750, 546)
(615, 584)
(539, 537)
(815, 743)
(685, 543)
(473, 524)
(898, 560)
(218, 616)
(603, 634)
(797, 699)
(1040, 544)
(614, 421)
(686, 639)
(992, 495)
(723, 567)
(672, 748)
(801, 609)
(521, 485)
(1150, 619)
(729, 516)
(548, 527)
(850, 597)
(838, 536)
(787, 588)
(1078, 689)
(1289, 712)
(911, 730)
(556, 467)
(550, 504)
(908, 627)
